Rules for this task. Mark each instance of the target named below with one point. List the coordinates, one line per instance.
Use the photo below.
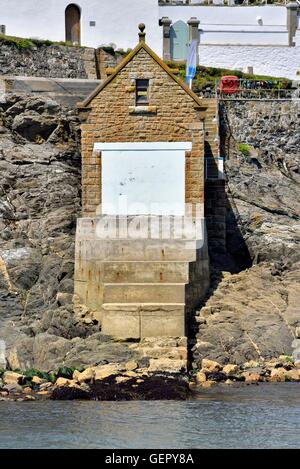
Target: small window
(142, 92)
(92, 24)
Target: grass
(23, 43)
(244, 148)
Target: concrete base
(66, 91)
(136, 321)
(140, 287)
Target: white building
(264, 37)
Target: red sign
(229, 84)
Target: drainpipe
(292, 21)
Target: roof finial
(142, 34)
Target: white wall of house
(280, 61)
(231, 37)
(261, 25)
(116, 20)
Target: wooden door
(73, 24)
(179, 41)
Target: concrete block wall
(140, 288)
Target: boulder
(29, 398)
(37, 380)
(34, 126)
(215, 376)
(86, 376)
(131, 365)
(251, 377)
(167, 364)
(104, 371)
(293, 375)
(208, 384)
(122, 379)
(230, 370)
(13, 388)
(61, 382)
(12, 378)
(200, 377)
(251, 364)
(211, 365)
(278, 374)
(27, 390)
(45, 386)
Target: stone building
(142, 164)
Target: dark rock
(32, 126)
(215, 376)
(144, 362)
(157, 387)
(70, 394)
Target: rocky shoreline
(125, 382)
(281, 369)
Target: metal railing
(230, 3)
(259, 90)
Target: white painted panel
(143, 182)
(145, 146)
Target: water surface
(265, 416)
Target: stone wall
(48, 61)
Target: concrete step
(135, 321)
(131, 271)
(145, 272)
(144, 293)
(159, 228)
(136, 250)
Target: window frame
(142, 86)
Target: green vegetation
(41, 374)
(287, 358)
(244, 148)
(115, 52)
(67, 372)
(49, 377)
(23, 43)
(206, 77)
